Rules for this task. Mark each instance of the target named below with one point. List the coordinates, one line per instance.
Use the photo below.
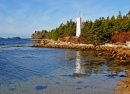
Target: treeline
(99, 31)
(102, 30)
(39, 34)
(68, 29)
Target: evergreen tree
(99, 31)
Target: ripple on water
(12, 89)
(40, 87)
(79, 82)
(78, 88)
(32, 71)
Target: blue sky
(23, 17)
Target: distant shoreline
(10, 38)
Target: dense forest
(101, 30)
(39, 34)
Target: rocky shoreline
(123, 87)
(119, 53)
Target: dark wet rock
(123, 76)
(40, 87)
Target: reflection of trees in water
(88, 62)
(114, 68)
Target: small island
(15, 38)
(1, 38)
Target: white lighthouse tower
(78, 27)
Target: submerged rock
(40, 87)
(79, 75)
(123, 76)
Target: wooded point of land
(102, 30)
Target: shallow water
(26, 70)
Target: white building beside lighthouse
(78, 26)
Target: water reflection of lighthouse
(79, 68)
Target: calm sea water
(27, 70)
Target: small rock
(123, 76)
